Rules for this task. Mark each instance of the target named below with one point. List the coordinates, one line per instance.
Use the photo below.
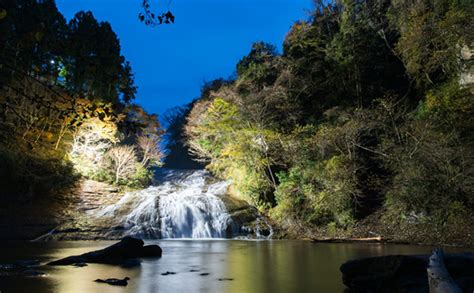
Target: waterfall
(181, 204)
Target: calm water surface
(254, 266)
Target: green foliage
(431, 35)
(431, 170)
(261, 53)
(141, 178)
(321, 186)
(363, 111)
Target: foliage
(317, 193)
(364, 111)
(431, 35)
(152, 18)
(65, 94)
(121, 162)
(91, 142)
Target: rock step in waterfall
(180, 204)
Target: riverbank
(460, 235)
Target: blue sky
(171, 62)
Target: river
(242, 266)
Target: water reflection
(254, 266)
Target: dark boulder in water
(114, 282)
(119, 253)
(403, 273)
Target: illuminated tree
(149, 149)
(122, 161)
(90, 143)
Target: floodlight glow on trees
(93, 138)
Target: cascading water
(181, 205)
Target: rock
(439, 279)
(119, 253)
(168, 273)
(242, 215)
(25, 268)
(80, 264)
(225, 279)
(151, 251)
(402, 273)
(114, 282)
(203, 274)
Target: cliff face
(75, 222)
(52, 217)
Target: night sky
(171, 62)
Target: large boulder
(118, 253)
(403, 273)
(243, 215)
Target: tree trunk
(438, 277)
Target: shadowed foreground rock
(26, 268)
(404, 273)
(119, 253)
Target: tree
(127, 86)
(149, 149)
(260, 53)
(122, 161)
(92, 140)
(94, 67)
(152, 18)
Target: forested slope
(366, 114)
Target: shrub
(317, 192)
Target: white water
(182, 205)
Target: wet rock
(114, 282)
(79, 264)
(242, 215)
(225, 279)
(119, 253)
(204, 274)
(404, 273)
(168, 273)
(151, 251)
(193, 271)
